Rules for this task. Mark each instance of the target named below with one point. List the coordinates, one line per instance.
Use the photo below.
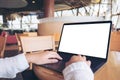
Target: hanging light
(33, 1)
(13, 3)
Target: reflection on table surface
(109, 71)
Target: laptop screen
(87, 38)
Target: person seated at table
(76, 69)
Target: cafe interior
(23, 21)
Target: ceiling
(36, 6)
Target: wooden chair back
(56, 38)
(2, 45)
(38, 43)
(19, 41)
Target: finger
(55, 55)
(52, 60)
(89, 62)
(84, 58)
(81, 56)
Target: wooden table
(109, 71)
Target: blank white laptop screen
(85, 39)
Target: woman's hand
(78, 58)
(43, 58)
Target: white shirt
(78, 71)
(9, 67)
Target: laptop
(90, 39)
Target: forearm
(9, 67)
(78, 71)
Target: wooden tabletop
(109, 71)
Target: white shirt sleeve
(9, 67)
(78, 71)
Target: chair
(56, 38)
(36, 44)
(11, 39)
(2, 45)
(19, 41)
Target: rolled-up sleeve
(78, 71)
(9, 67)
